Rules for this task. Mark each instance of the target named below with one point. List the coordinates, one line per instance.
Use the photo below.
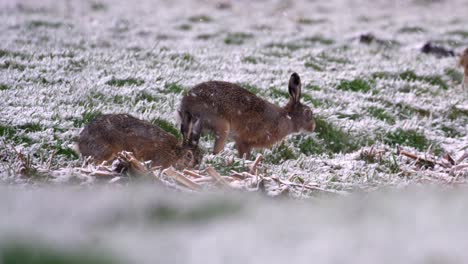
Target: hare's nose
(312, 127)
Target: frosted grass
(61, 57)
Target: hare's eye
(308, 113)
(189, 155)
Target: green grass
(15, 134)
(381, 114)
(461, 33)
(331, 139)
(312, 87)
(250, 59)
(310, 21)
(389, 163)
(279, 153)
(411, 29)
(173, 88)
(183, 57)
(37, 253)
(335, 139)
(287, 46)
(7, 53)
(321, 61)
(206, 36)
(31, 127)
(237, 38)
(168, 127)
(93, 98)
(60, 150)
(120, 99)
(457, 113)
(184, 27)
(325, 57)
(65, 54)
(12, 65)
(7, 131)
(4, 87)
(383, 75)
(411, 138)
(308, 99)
(125, 82)
(276, 53)
(310, 146)
(301, 44)
(67, 152)
(200, 19)
(278, 93)
(4, 53)
(452, 43)
(454, 75)
(76, 65)
(98, 6)
(406, 111)
(431, 79)
(46, 24)
(314, 65)
(402, 110)
(348, 116)
(411, 76)
(225, 166)
(146, 96)
(251, 88)
(356, 85)
(86, 117)
(319, 40)
(450, 132)
(44, 81)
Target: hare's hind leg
(243, 149)
(221, 131)
(465, 80)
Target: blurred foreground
(141, 224)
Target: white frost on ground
(57, 59)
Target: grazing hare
(464, 64)
(107, 135)
(228, 109)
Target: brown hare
(230, 110)
(109, 134)
(464, 64)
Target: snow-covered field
(64, 62)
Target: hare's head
(301, 115)
(191, 129)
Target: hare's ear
(295, 87)
(185, 125)
(195, 131)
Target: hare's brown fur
(464, 64)
(230, 110)
(107, 135)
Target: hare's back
(123, 129)
(224, 98)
